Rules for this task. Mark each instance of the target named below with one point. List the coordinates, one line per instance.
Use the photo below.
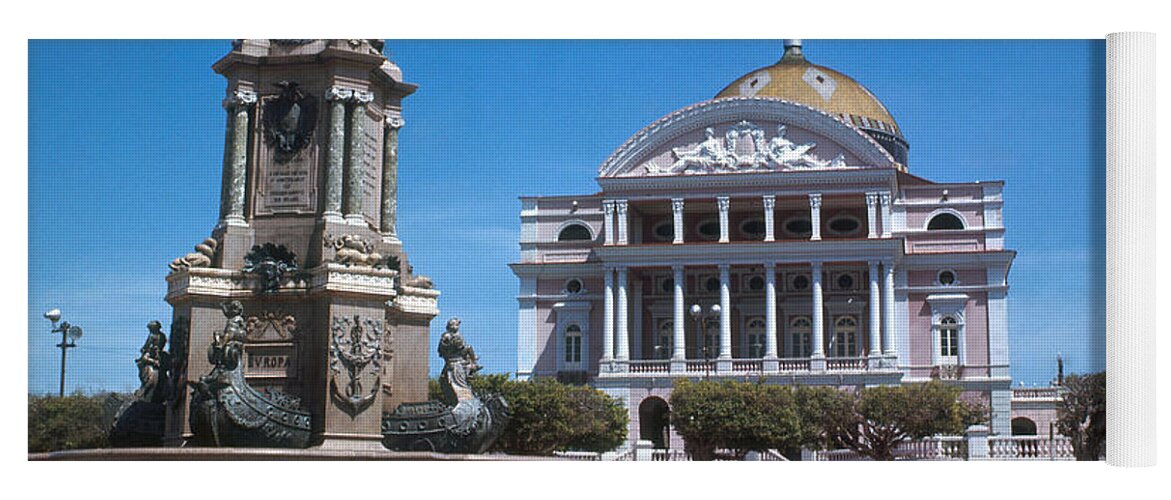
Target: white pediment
(744, 135)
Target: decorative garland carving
(356, 354)
(270, 262)
(281, 323)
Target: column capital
(724, 267)
(815, 200)
(770, 201)
(885, 197)
(816, 265)
(676, 204)
(362, 97)
(723, 202)
(873, 264)
(677, 267)
(608, 206)
(871, 199)
(395, 122)
(240, 98)
(338, 94)
(620, 206)
(770, 265)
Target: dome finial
(792, 51)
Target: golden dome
(797, 80)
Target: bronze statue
(153, 365)
(462, 422)
(227, 411)
(139, 421)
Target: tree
(69, 423)
(550, 416)
(874, 420)
(740, 416)
(1081, 415)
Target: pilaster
(770, 203)
(815, 216)
(677, 219)
(724, 204)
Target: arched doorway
(654, 421)
(1022, 426)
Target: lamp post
(702, 320)
(69, 335)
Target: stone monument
(303, 285)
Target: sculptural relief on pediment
(745, 146)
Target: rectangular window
(573, 349)
(949, 342)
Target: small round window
(753, 228)
(712, 284)
(800, 282)
(665, 231)
(947, 277)
(845, 282)
(756, 283)
(844, 225)
(709, 229)
(573, 286)
(799, 227)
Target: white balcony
(747, 367)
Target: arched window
(1023, 426)
(949, 340)
(845, 339)
(755, 337)
(800, 329)
(945, 221)
(575, 232)
(573, 344)
(664, 340)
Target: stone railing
(1037, 393)
(975, 444)
(581, 456)
(1030, 448)
(735, 367)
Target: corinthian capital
(395, 122)
(338, 94)
(362, 97)
(240, 98)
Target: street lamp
(702, 321)
(69, 335)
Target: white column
(725, 312)
(608, 223)
(962, 345)
(888, 302)
(887, 223)
(770, 310)
(875, 311)
(815, 215)
(608, 316)
(677, 214)
(723, 203)
(679, 319)
(623, 319)
(620, 208)
(871, 214)
(770, 203)
(818, 340)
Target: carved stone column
(353, 184)
(875, 314)
(872, 214)
(623, 348)
(817, 363)
(236, 157)
(815, 216)
(335, 161)
(623, 222)
(388, 220)
(770, 203)
(887, 223)
(723, 203)
(608, 229)
(677, 219)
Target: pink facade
(766, 208)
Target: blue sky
(126, 142)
